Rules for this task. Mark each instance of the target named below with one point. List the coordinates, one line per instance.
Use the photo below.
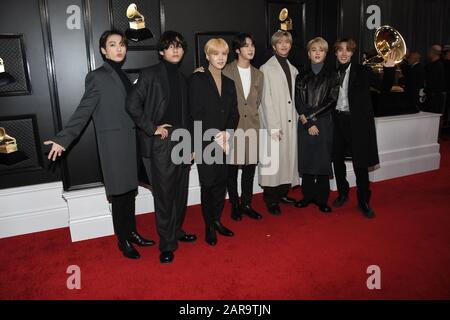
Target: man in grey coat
(104, 102)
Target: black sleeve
(82, 114)
(387, 81)
(195, 98)
(135, 105)
(233, 117)
(301, 107)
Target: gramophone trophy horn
(387, 40)
(137, 20)
(137, 31)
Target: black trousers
(213, 201)
(123, 214)
(343, 146)
(248, 174)
(274, 194)
(170, 185)
(316, 188)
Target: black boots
(128, 250)
(137, 239)
(340, 200)
(363, 204)
(210, 235)
(236, 213)
(222, 229)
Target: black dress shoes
(221, 229)
(188, 238)
(366, 210)
(211, 236)
(137, 239)
(274, 209)
(340, 200)
(288, 200)
(166, 257)
(236, 214)
(128, 250)
(251, 213)
(324, 208)
(302, 203)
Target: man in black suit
(354, 124)
(435, 80)
(213, 104)
(158, 105)
(414, 78)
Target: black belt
(347, 113)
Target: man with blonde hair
(315, 98)
(279, 119)
(213, 101)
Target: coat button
(289, 102)
(245, 104)
(290, 121)
(245, 116)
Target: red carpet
(300, 255)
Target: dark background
(58, 58)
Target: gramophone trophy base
(136, 25)
(8, 148)
(137, 35)
(10, 159)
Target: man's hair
(239, 41)
(436, 50)
(171, 38)
(320, 41)
(276, 37)
(216, 44)
(351, 44)
(104, 38)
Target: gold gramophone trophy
(5, 77)
(8, 144)
(286, 22)
(137, 31)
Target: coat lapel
(213, 83)
(352, 76)
(164, 80)
(238, 80)
(280, 69)
(184, 103)
(115, 77)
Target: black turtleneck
(173, 112)
(117, 66)
(284, 64)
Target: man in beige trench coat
(278, 154)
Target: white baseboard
(32, 209)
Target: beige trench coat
(277, 111)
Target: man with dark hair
(158, 105)
(104, 101)
(249, 84)
(435, 80)
(414, 77)
(354, 124)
